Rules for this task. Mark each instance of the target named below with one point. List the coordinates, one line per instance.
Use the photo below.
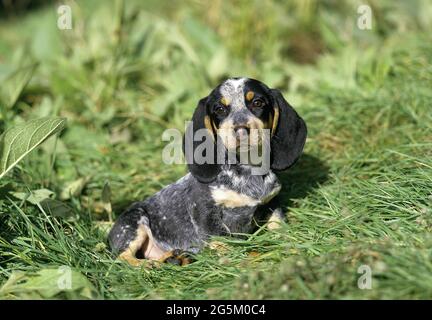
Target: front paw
(177, 257)
(276, 219)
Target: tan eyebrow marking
(224, 101)
(250, 95)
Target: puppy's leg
(130, 254)
(127, 236)
(132, 239)
(276, 219)
(271, 214)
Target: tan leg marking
(129, 255)
(274, 221)
(144, 241)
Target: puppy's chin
(243, 145)
(249, 148)
(248, 144)
(242, 149)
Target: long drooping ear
(201, 155)
(288, 134)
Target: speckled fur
(185, 214)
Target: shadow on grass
(300, 180)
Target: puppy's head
(235, 115)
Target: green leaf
(14, 84)
(58, 209)
(19, 141)
(49, 283)
(44, 199)
(35, 196)
(74, 188)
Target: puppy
(221, 196)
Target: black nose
(241, 132)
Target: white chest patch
(233, 199)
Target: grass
(360, 195)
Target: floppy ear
(288, 134)
(206, 171)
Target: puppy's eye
(258, 103)
(220, 111)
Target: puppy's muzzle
(242, 133)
